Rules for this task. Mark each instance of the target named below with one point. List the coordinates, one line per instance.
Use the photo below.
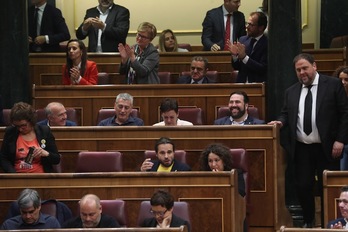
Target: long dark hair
(69, 62)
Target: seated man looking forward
(238, 105)
(165, 150)
(169, 112)
(162, 203)
(199, 68)
(56, 115)
(123, 107)
(91, 215)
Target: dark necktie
(195, 82)
(35, 22)
(251, 45)
(307, 120)
(227, 31)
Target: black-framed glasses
(21, 126)
(247, 24)
(142, 36)
(158, 213)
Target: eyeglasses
(198, 69)
(142, 36)
(247, 24)
(21, 126)
(156, 213)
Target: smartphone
(30, 157)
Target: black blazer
(331, 113)
(188, 79)
(176, 222)
(116, 31)
(8, 148)
(256, 67)
(176, 167)
(52, 24)
(214, 28)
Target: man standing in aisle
(316, 111)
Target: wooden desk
(147, 98)
(284, 229)
(213, 198)
(178, 229)
(333, 181)
(266, 158)
(175, 62)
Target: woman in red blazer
(78, 70)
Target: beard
(238, 114)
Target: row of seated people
(92, 212)
(191, 114)
(168, 108)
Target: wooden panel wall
(266, 159)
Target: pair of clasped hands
(94, 22)
(236, 49)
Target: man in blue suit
(56, 115)
(249, 55)
(238, 105)
(199, 68)
(48, 30)
(214, 28)
(106, 26)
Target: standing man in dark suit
(250, 54)
(106, 26)
(199, 68)
(316, 112)
(214, 25)
(46, 27)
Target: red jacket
(90, 76)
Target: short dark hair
(305, 56)
(23, 111)
(339, 70)
(201, 59)
(164, 140)
(244, 94)
(220, 150)
(344, 189)
(261, 19)
(169, 104)
(162, 198)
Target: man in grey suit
(317, 132)
(213, 35)
(106, 26)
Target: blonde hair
(149, 28)
(161, 41)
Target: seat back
(6, 117)
(240, 161)
(99, 161)
(179, 155)
(211, 74)
(234, 75)
(339, 42)
(70, 113)
(191, 114)
(164, 77)
(103, 78)
(116, 209)
(180, 209)
(107, 113)
(185, 46)
(58, 168)
(224, 111)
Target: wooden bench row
(88, 100)
(266, 160)
(51, 63)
